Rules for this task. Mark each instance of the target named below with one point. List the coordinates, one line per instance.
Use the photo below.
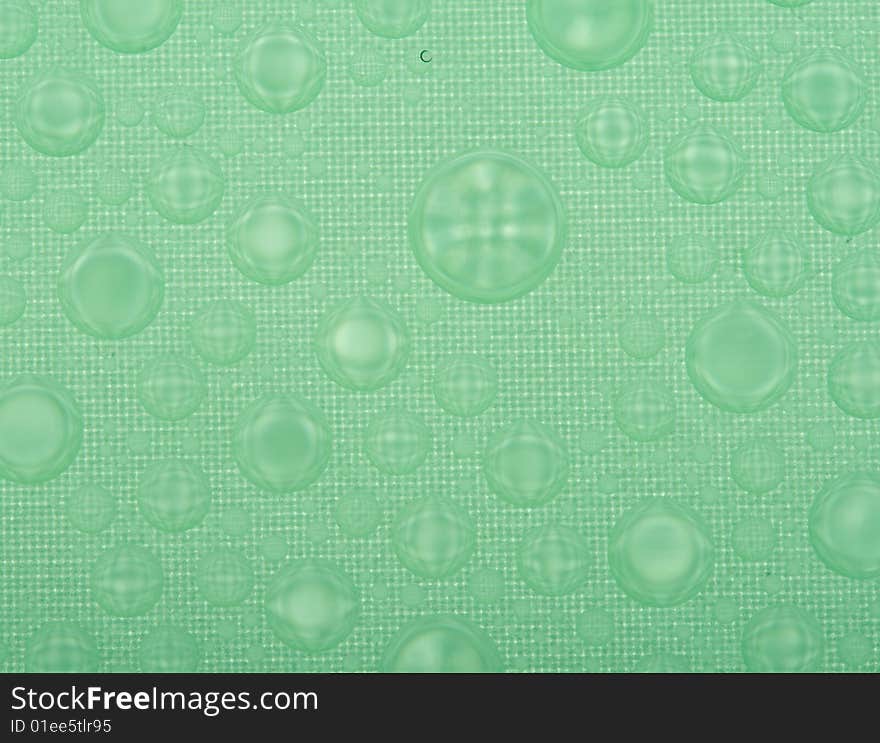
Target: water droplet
(131, 26)
(487, 227)
(171, 388)
(61, 647)
(111, 287)
(358, 514)
(782, 639)
(113, 187)
(60, 113)
(18, 181)
(12, 300)
(855, 286)
(179, 113)
(775, 264)
(225, 577)
(824, 91)
(186, 186)
(725, 68)
(362, 344)
(704, 165)
(758, 465)
(65, 211)
(393, 19)
(441, 644)
(273, 240)
(226, 16)
(280, 69)
(594, 627)
(368, 66)
(844, 196)
(526, 464)
(40, 429)
(433, 537)
(590, 35)
(753, 539)
(465, 385)
(397, 442)
(660, 553)
(645, 411)
(312, 605)
(224, 332)
(611, 133)
(169, 649)
(127, 581)
(173, 496)
(18, 28)
(741, 358)
(553, 560)
(642, 336)
(90, 508)
(845, 525)
(692, 258)
(854, 380)
(282, 443)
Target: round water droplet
(611, 133)
(855, 649)
(280, 69)
(465, 385)
(179, 113)
(362, 344)
(645, 411)
(186, 187)
(553, 560)
(18, 27)
(692, 258)
(854, 380)
(844, 196)
(526, 464)
(127, 581)
(397, 442)
(753, 539)
(855, 286)
(113, 187)
(131, 26)
(741, 358)
(725, 68)
(487, 227)
(18, 181)
(312, 605)
(660, 553)
(226, 16)
(775, 264)
(169, 649)
(171, 388)
(642, 336)
(704, 165)
(441, 644)
(224, 332)
(65, 211)
(282, 443)
(90, 508)
(845, 525)
(60, 113)
(225, 577)
(782, 639)
(111, 287)
(368, 66)
(824, 91)
(61, 647)
(358, 514)
(40, 429)
(433, 537)
(12, 300)
(393, 19)
(173, 496)
(590, 35)
(273, 240)
(758, 465)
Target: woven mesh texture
(355, 158)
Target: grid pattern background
(355, 158)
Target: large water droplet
(704, 165)
(186, 186)
(131, 26)
(844, 196)
(553, 560)
(824, 91)
(441, 644)
(782, 639)
(854, 380)
(127, 581)
(433, 537)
